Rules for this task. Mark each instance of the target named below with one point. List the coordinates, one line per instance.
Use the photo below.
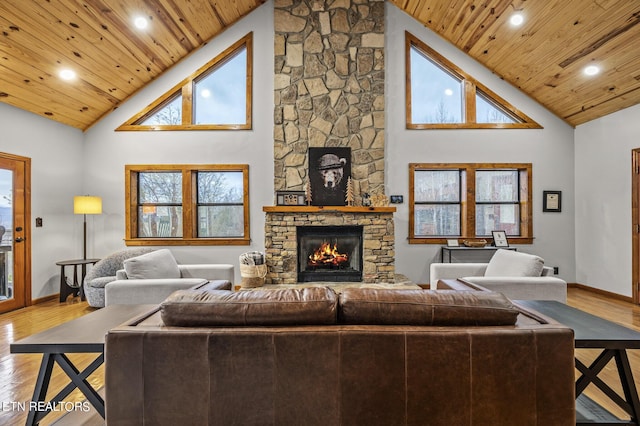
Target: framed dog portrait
(329, 170)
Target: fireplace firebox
(329, 253)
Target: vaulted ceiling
(544, 57)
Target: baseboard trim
(602, 292)
(45, 299)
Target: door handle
(19, 240)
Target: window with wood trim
(187, 204)
(215, 97)
(439, 95)
(460, 200)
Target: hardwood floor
(18, 372)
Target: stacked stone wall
(329, 88)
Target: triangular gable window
(489, 112)
(215, 97)
(442, 96)
(436, 93)
(219, 96)
(170, 113)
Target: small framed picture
(552, 201)
(500, 239)
(453, 243)
(396, 199)
(290, 198)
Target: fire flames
(327, 255)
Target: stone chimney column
(329, 87)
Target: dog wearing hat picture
(332, 170)
(331, 173)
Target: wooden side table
(592, 332)
(81, 335)
(75, 288)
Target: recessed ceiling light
(67, 74)
(516, 19)
(591, 70)
(141, 22)
(448, 92)
(205, 93)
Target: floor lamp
(84, 205)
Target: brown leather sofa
(363, 357)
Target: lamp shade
(85, 204)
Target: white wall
(107, 151)
(56, 170)
(550, 150)
(67, 163)
(603, 200)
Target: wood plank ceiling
(544, 57)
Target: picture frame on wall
(552, 201)
(329, 171)
(500, 239)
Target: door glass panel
(6, 235)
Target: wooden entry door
(635, 219)
(15, 232)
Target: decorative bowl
(475, 243)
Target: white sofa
(152, 277)
(519, 276)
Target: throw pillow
(507, 263)
(289, 306)
(422, 307)
(157, 264)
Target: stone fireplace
(281, 239)
(329, 93)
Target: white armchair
(151, 278)
(516, 275)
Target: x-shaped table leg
(630, 402)
(78, 380)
